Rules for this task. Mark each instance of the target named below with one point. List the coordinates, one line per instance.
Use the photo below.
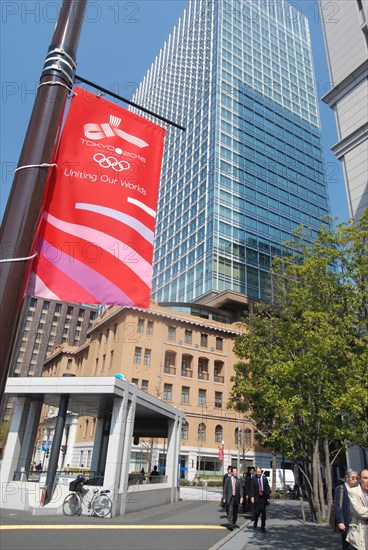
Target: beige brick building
(183, 359)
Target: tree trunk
(321, 494)
(316, 476)
(273, 491)
(328, 478)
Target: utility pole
(25, 205)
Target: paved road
(186, 525)
(195, 524)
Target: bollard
(43, 496)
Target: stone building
(180, 358)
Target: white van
(289, 479)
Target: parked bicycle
(100, 503)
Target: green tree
(4, 430)
(302, 370)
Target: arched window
(218, 434)
(86, 427)
(202, 432)
(203, 368)
(186, 366)
(248, 438)
(170, 360)
(237, 437)
(184, 431)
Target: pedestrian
(245, 479)
(358, 496)
(260, 497)
(232, 497)
(250, 506)
(226, 475)
(342, 506)
(154, 473)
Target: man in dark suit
(260, 497)
(248, 506)
(228, 474)
(342, 505)
(232, 497)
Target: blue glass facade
(249, 168)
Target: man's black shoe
(231, 528)
(263, 529)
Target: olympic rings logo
(111, 162)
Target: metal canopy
(94, 396)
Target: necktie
(233, 486)
(260, 487)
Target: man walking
(233, 496)
(357, 535)
(260, 497)
(228, 474)
(342, 506)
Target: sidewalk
(284, 530)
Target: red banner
(95, 243)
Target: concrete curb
(231, 535)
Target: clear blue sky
(119, 40)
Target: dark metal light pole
(24, 209)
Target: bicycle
(100, 503)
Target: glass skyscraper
(238, 75)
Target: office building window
(218, 434)
(204, 340)
(185, 394)
(144, 385)
(184, 431)
(172, 333)
(140, 326)
(167, 392)
(218, 400)
(201, 397)
(147, 357)
(188, 336)
(219, 343)
(137, 355)
(149, 328)
(202, 432)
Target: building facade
(45, 324)
(182, 359)
(345, 26)
(248, 170)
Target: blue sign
(46, 445)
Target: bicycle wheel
(102, 505)
(71, 504)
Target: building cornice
(351, 141)
(161, 314)
(343, 88)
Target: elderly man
(357, 535)
(342, 506)
(232, 497)
(260, 498)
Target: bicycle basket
(77, 484)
